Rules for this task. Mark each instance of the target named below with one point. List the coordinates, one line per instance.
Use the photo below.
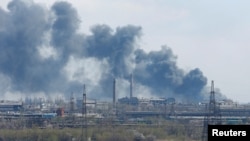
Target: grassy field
(167, 131)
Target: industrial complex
(81, 112)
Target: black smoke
(21, 31)
(158, 70)
(41, 50)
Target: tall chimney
(131, 85)
(84, 103)
(72, 103)
(114, 94)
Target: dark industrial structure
(10, 106)
(126, 111)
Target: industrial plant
(81, 112)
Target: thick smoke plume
(42, 51)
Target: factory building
(131, 101)
(14, 106)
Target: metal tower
(213, 115)
(84, 113)
(214, 108)
(212, 104)
(72, 104)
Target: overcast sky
(210, 35)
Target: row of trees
(169, 130)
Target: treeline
(172, 131)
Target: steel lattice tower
(212, 104)
(84, 113)
(213, 115)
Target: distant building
(131, 101)
(227, 103)
(153, 101)
(10, 106)
(161, 101)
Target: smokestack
(84, 109)
(72, 103)
(131, 85)
(114, 94)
